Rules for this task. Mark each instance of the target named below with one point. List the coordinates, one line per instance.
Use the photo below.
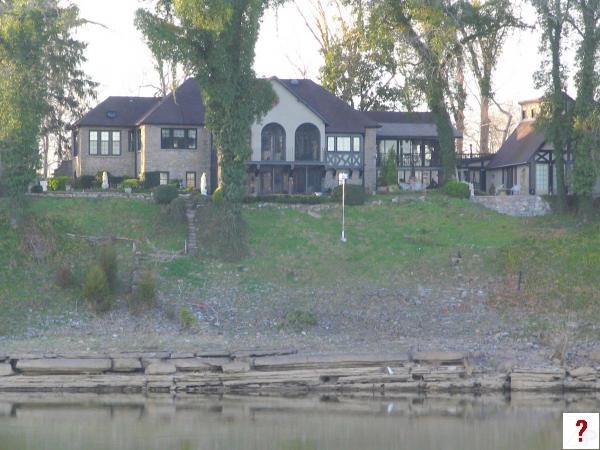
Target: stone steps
(192, 240)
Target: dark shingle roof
(118, 112)
(338, 116)
(187, 108)
(406, 124)
(519, 147)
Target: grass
(414, 242)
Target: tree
(586, 150)
(69, 88)
(489, 24)
(361, 63)
(553, 16)
(217, 39)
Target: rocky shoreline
(282, 371)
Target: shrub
(298, 320)
(389, 170)
(88, 181)
(107, 260)
(132, 183)
(37, 189)
(456, 189)
(289, 199)
(99, 176)
(163, 195)
(218, 198)
(144, 294)
(355, 194)
(151, 179)
(187, 319)
(58, 183)
(176, 211)
(96, 290)
(222, 231)
(176, 183)
(64, 277)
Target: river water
(90, 422)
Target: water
(91, 422)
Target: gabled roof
(406, 124)
(338, 116)
(118, 112)
(519, 147)
(187, 108)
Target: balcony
(344, 160)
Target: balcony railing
(344, 159)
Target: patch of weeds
(187, 319)
(186, 268)
(298, 320)
(144, 295)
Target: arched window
(308, 143)
(273, 143)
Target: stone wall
(278, 371)
(515, 205)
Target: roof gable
(185, 108)
(339, 117)
(118, 112)
(395, 124)
(519, 147)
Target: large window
(178, 138)
(308, 143)
(273, 143)
(190, 180)
(105, 143)
(343, 143)
(541, 179)
(164, 178)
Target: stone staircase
(192, 241)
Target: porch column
(370, 162)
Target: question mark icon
(583, 424)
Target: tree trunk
(460, 113)
(557, 115)
(484, 130)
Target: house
(301, 145)
(526, 163)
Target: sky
(119, 60)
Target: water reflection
(90, 422)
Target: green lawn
(412, 243)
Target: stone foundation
(278, 371)
(515, 205)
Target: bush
(99, 176)
(389, 170)
(289, 199)
(299, 320)
(64, 277)
(144, 295)
(163, 195)
(222, 231)
(132, 183)
(107, 260)
(187, 319)
(58, 183)
(456, 189)
(355, 194)
(176, 183)
(96, 290)
(218, 198)
(88, 181)
(37, 189)
(176, 211)
(151, 179)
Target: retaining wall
(515, 205)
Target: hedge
(355, 194)
(457, 189)
(58, 183)
(289, 199)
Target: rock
(595, 356)
(194, 365)
(64, 366)
(126, 365)
(178, 355)
(236, 367)
(297, 362)
(439, 357)
(6, 370)
(161, 368)
(259, 353)
(582, 372)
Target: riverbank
(282, 372)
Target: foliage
(107, 260)
(84, 182)
(132, 183)
(64, 277)
(163, 195)
(187, 319)
(176, 211)
(151, 179)
(299, 320)
(389, 170)
(220, 235)
(291, 199)
(37, 189)
(217, 196)
(456, 189)
(355, 194)
(96, 289)
(144, 294)
(58, 183)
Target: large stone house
(301, 145)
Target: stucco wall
(86, 164)
(290, 113)
(176, 162)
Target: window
(541, 179)
(343, 144)
(178, 138)
(331, 144)
(273, 143)
(308, 143)
(356, 144)
(105, 143)
(164, 178)
(190, 180)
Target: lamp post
(342, 180)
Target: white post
(343, 178)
